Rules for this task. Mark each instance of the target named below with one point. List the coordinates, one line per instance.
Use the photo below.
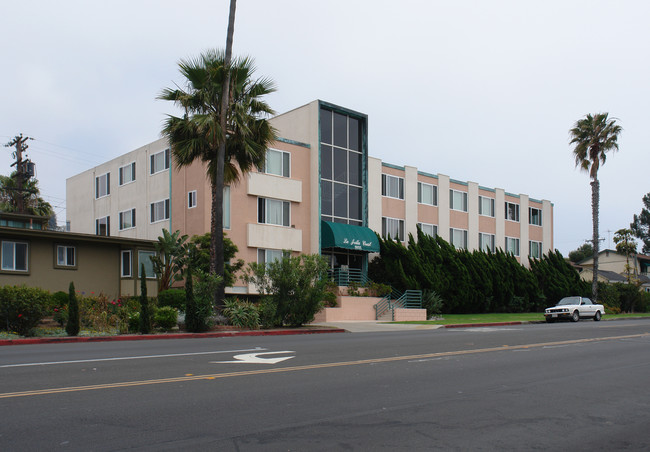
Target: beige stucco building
(320, 192)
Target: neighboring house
(319, 192)
(51, 260)
(611, 263)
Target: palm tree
(593, 136)
(198, 135)
(11, 195)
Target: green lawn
(453, 319)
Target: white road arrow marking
(256, 358)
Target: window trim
(517, 214)
(108, 226)
(14, 270)
(400, 228)
(384, 186)
(192, 198)
(434, 190)
(65, 265)
(108, 185)
(530, 248)
(262, 217)
(530, 217)
(434, 226)
(120, 174)
(283, 153)
(451, 200)
(166, 156)
(166, 209)
(130, 274)
(120, 217)
(492, 206)
(465, 238)
(492, 240)
(517, 241)
(148, 252)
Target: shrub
(72, 327)
(353, 289)
(22, 308)
(199, 300)
(296, 285)
(174, 298)
(166, 317)
(134, 322)
(268, 313)
(612, 309)
(59, 310)
(432, 302)
(242, 314)
(378, 289)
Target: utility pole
(24, 169)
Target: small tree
(295, 285)
(170, 257)
(145, 317)
(641, 224)
(72, 327)
(625, 244)
(581, 253)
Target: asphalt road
(562, 386)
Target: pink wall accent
(405, 315)
(427, 214)
(349, 308)
(458, 220)
(487, 225)
(393, 208)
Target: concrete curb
(470, 325)
(147, 337)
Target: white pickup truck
(574, 308)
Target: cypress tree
(72, 326)
(145, 318)
(191, 321)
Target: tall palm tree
(198, 135)
(594, 136)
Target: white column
(374, 194)
(443, 206)
(547, 226)
(523, 229)
(472, 221)
(411, 201)
(500, 214)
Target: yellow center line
(190, 377)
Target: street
(561, 386)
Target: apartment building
(319, 192)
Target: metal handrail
(383, 306)
(343, 277)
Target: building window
(458, 238)
(427, 194)
(393, 228)
(341, 167)
(512, 246)
(535, 216)
(273, 211)
(144, 257)
(535, 249)
(458, 200)
(126, 174)
(428, 229)
(486, 242)
(159, 162)
(127, 219)
(126, 267)
(65, 256)
(392, 186)
(278, 163)
(486, 206)
(160, 210)
(512, 211)
(265, 256)
(103, 226)
(14, 256)
(191, 199)
(103, 185)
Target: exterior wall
(350, 308)
(83, 209)
(97, 268)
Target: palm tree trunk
(595, 197)
(216, 263)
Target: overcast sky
(482, 91)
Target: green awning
(349, 237)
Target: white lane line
(171, 355)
